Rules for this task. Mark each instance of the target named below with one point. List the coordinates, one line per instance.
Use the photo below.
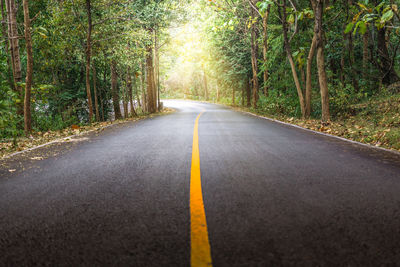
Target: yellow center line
(200, 246)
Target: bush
(341, 99)
(279, 103)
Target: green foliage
(196, 40)
(59, 31)
(9, 120)
(343, 97)
(279, 103)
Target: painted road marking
(200, 246)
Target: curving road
(273, 195)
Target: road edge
(84, 133)
(317, 132)
(302, 128)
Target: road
(272, 195)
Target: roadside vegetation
(331, 66)
(73, 65)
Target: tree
(96, 104)
(88, 57)
(13, 38)
(115, 90)
(29, 69)
(283, 15)
(151, 88)
(254, 54)
(323, 84)
(265, 7)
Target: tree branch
(251, 4)
(296, 29)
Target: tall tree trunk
(6, 46)
(150, 80)
(365, 53)
(243, 92)
(130, 91)
(15, 55)
(233, 96)
(115, 90)
(310, 57)
(303, 76)
(248, 92)
(290, 58)
(101, 99)
(386, 65)
(144, 98)
(323, 84)
(157, 69)
(137, 92)
(88, 58)
(205, 85)
(254, 63)
(343, 62)
(29, 69)
(265, 48)
(125, 101)
(96, 103)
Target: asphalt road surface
(274, 195)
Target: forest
(330, 65)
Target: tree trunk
(243, 92)
(29, 69)
(150, 80)
(101, 100)
(96, 103)
(15, 55)
(303, 77)
(343, 62)
(130, 91)
(233, 96)
(290, 58)
(386, 65)
(265, 48)
(137, 93)
(254, 63)
(308, 76)
(88, 58)
(318, 30)
(125, 101)
(205, 85)
(365, 53)
(115, 90)
(6, 45)
(157, 69)
(248, 92)
(144, 98)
